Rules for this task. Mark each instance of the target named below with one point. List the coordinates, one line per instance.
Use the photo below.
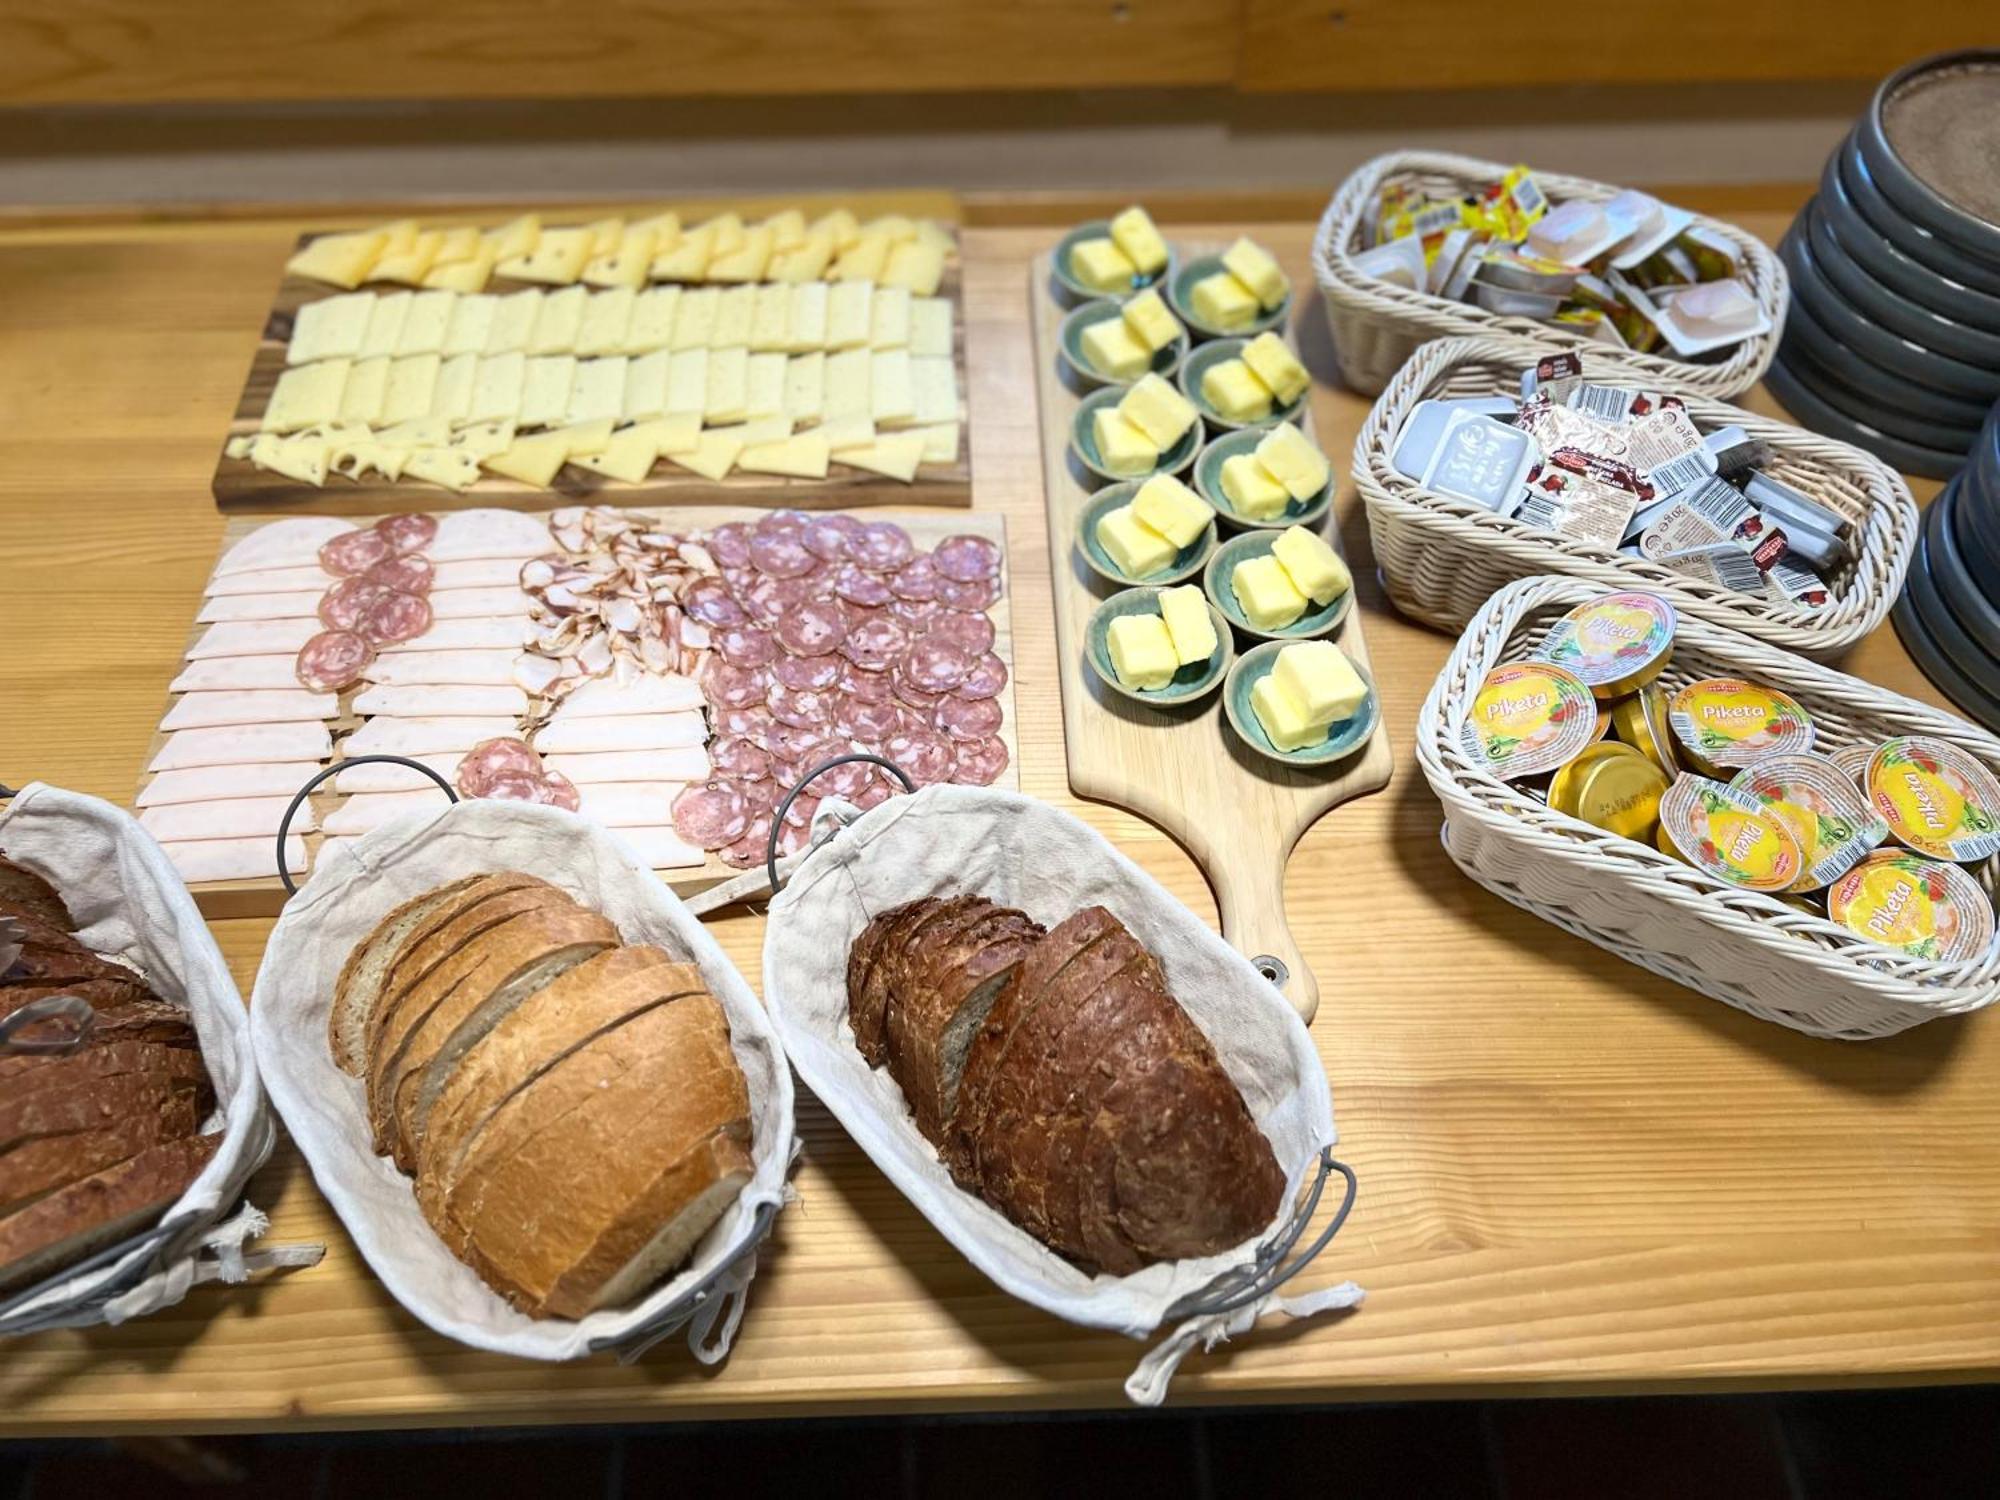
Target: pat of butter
(1150, 320)
(1293, 461)
(1121, 447)
(1276, 365)
(1318, 677)
(1251, 490)
(1141, 651)
(1315, 568)
(1158, 410)
(1282, 716)
(1101, 265)
(1134, 232)
(1266, 594)
(1221, 301)
(1172, 509)
(1111, 350)
(1251, 264)
(1185, 610)
(1236, 393)
(1135, 548)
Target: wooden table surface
(1574, 1175)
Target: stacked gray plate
(1949, 614)
(1893, 338)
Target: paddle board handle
(1252, 903)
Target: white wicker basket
(1746, 949)
(1442, 558)
(1376, 326)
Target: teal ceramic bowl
(1208, 484)
(1215, 352)
(1191, 683)
(1075, 291)
(1342, 738)
(1180, 291)
(1083, 439)
(1165, 361)
(1180, 570)
(1317, 621)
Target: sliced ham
(259, 607)
(442, 669)
(482, 604)
(569, 736)
(661, 848)
(495, 633)
(441, 702)
(604, 697)
(388, 778)
(253, 638)
(234, 859)
(423, 736)
(243, 745)
(689, 763)
(224, 783)
(237, 818)
(630, 804)
(470, 535)
(275, 706)
(480, 573)
(370, 810)
(222, 674)
(269, 581)
(291, 543)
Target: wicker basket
(1441, 558)
(1376, 325)
(1746, 949)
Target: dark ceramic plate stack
(1949, 614)
(1892, 342)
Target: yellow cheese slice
(513, 323)
(848, 432)
(688, 259)
(597, 390)
(801, 457)
(557, 259)
(747, 262)
(338, 259)
(558, 321)
(787, 228)
(674, 434)
(418, 432)
(630, 456)
(804, 262)
(713, 457)
(646, 387)
(385, 325)
(361, 397)
(408, 264)
(517, 237)
(940, 442)
(450, 467)
(330, 328)
(865, 259)
(896, 228)
(484, 439)
(425, 322)
(460, 242)
(898, 456)
(306, 396)
(625, 266)
(300, 458)
(839, 225)
(916, 267)
(585, 439)
(532, 460)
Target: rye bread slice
(359, 986)
(21, 889)
(867, 1005)
(31, 1114)
(50, 955)
(21, 1072)
(98, 1210)
(597, 995)
(34, 1168)
(149, 1020)
(102, 994)
(927, 945)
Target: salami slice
(710, 815)
(915, 612)
(808, 673)
(752, 724)
(934, 665)
(824, 539)
(869, 687)
(343, 606)
(974, 597)
(800, 747)
(494, 758)
(966, 558)
(914, 697)
(728, 686)
(875, 643)
(882, 547)
(785, 521)
(780, 554)
(354, 552)
(709, 600)
(746, 853)
(813, 627)
(869, 722)
(760, 796)
(395, 617)
(969, 718)
(407, 533)
(739, 758)
(412, 574)
(332, 660)
(978, 762)
(549, 788)
(746, 645)
(925, 757)
(857, 585)
(987, 677)
(801, 708)
(729, 545)
(876, 793)
(846, 782)
(972, 634)
(916, 579)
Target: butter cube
(1318, 677)
(1282, 717)
(1134, 548)
(1276, 365)
(1141, 651)
(1233, 389)
(1111, 350)
(1151, 322)
(1293, 461)
(1316, 569)
(1158, 410)
(1101, 265)
(1250, 490)
(1251, 264)
(1172, 509)
(1221, 301)
(1265, 593)
(1189, 623)
(1134, 232)
(1121, 447)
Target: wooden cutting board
(1235, 812)
(266, 897)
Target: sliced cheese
(481, 440)
(934, 389)
(453, 468)
(586, 439)
(533, 460)
(361, 396)
(471, 324)
(940, 442)
(788, 228)
(687, 381)
(713, 456)
(385, 325)
(849, 314)
(652, 325)
(557, 259)
(748, 261)
(838, 225)
(627, 265)
(764, 386)
(728, 386)
(848, 375)
(805, 262)
(412, 382)
(607, 322)
(806, 309)
(451, 397)
(338, 259)
(425, 322)
(558, 321)
(418, 432)
(306, 396)
(459, 243)
(915, 267)
(408, 264)
(802, 457)
(645, 393)
(848, 432)
(629, 456)
(891, 397)
(597, 390)
(687, 259)
(463, 276)
(514, 321)
(930, 326)
(734, 308)
(497, 388)
(516, 237)
(771, 318)
(805, 388)
(695, 321)
(545, 390)
(889, 318)
(331, 328)
(898, 456)
(865, 259)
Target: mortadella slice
(253, 638)
(440, 702)
(688, 763)
(269, 581)
(234, 859)
(222, 674)
(370, 810)
(275, 706)
(661, 848)
(469, 535)
(294, 606)
(424, 736)
(442, 669)
(237, 818)
(480, 573)
(604, 697)
(473, 633)
(388, 778)
(243, 745)
(569, 736)
(508, 603)
(630, 804)
(290, 543)
(222, 783)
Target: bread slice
(143, 1021)
(99, 1210)
(21, 889)
(50, 955)
(359, 986)
(913, 951)
(102, 994)
(600, 993)
(33, 1168)
(23, 1071)
(27, 1115)
(867, 991)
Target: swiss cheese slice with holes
(557, 259)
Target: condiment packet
(1723, 565)
(1620, 403)
(1505, 266)
(1670, 267)
(1713, 255)
(1728, 833)
(1605, 468)
(1707, 516)
(1561, 427)
(1425, 426)
(1510, 208)
(1713, 315)
(1573, 505)
(1512, 304)
(1552, 377)
(1399, 262)
(1617, 643)
(1481, 460)
(1454, 248)
(1792, 506)
(1926, 908)
(1579, 231)
(1653, 225)
(1527, 719)
(1825, 812)
(1591, 322)
(1723, 724)
(1658, 439)
(1936, 798)
(1735, 450)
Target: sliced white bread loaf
(360, 981)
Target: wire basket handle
(299, 797)
(778, 817)
(1234, 1289)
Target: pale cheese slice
(532, 460)
(627, 265)
(848, 432)
(516, 237)
(849, 314)
(652, 325)
(453, 468)
(891, 398)
(239, 446)
(412, 382)
(805, 387)
(425, 322)
(728, 386)
(734, 307)
(482, 440)
(848, 376)
(607, 320)
(758, 431)
(805, 262)
(408, 264)
(630, 456)
(916, 267)
(695, 321)
(471, 324)
(889, 318)
(514, 317)
(557, 259)
(688, 259)
(645, 386)
(934, 389)
(398, 236)
(788, 228)
(597, 391)
(306, 396)
(675, 433)
(385, 325)
(418, 432)
(545, 390)
(460, 242)
(764, 386)
(771, 318)
(940, 441)
(838, 225)
(898, 456)
(806, 309)
(497, 388)
(338, 259)
(747, 262)
(451, 398)
(713, 456)
(931, 326)
(586, 439)
(301, 458)
(361, 456)
(897, 229)
(463, 276)
(865, 259)
(606, 235)
(558, 321)
(330, 328)
(687, 381)
(361, 397)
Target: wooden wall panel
(150, 51)
(1369, 45)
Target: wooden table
(1574, 1176)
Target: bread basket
(351, 888)
(1441, 558)
(1377, 325)
(131, 905)
(1021, 852)
(1743, 948)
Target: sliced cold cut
(429, 736)
(354, 552)
(234, 859)
(253, 637)
(630, 804)
(275, 706)
(476, 573)
(475, 633)
(472, 535)
(661, 848)
(229, 673)
(406, 533)
(370, 810)
(442, 669)
(290, 543)
(689, 763)
(394, 617)
(268, 581)
(243, 745)
(235, 818)
(508, 603)
(605, 697)
(383, 777)
(224, 783)
(332, 661)
(567, 736)
(455, 701)
(258, 607)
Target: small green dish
(1180, 289)
(1208, 484)
(1214, 353)
(1215, 582)
(1184, 566)
(1165, 361)
(1342, 739)
(1191, 683)
(1075, 291)
(1083, 439)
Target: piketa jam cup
(1728, 833)
(1722, 724)
(1925, 907)
(1813, 798)
(1935, 798)
(1527, 719)
(1617, 643)
(1613, 787)
(1641, 722)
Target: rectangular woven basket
(1743, 948)
(1442, 558)
(1376, 325)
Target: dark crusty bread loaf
(359, 985)
(22, 890)
(102, 994)
(867, 982)
(22, 1072)
(41, 1164)
(29, 1114)
(98, 1210)
(51, 955)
